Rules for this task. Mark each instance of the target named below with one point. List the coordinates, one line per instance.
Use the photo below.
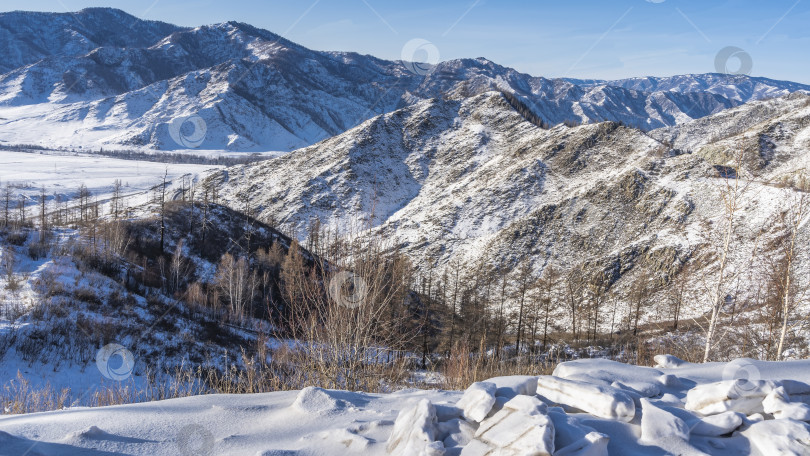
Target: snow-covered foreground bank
(588, 408)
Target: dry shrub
(18, 396)
(17, 238)
(464, 367)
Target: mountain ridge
(467, 182)
(257, 91)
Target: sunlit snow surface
(61, 174)
(503, 416)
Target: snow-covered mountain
(28, 37)
(103, 78)
(465, 181)
(739, 88)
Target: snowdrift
(586, 408)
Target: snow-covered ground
(57, 317)
(62, 174)
(588, 408)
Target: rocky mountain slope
(28, 37)
(102, 78)
(739, 88)
(472, 180)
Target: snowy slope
(257, 91)
(62, 312)
(770, 131)
(473, 181)
(249, 86)
(762, 415)
(27, 37)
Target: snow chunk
(657, 424)
(529, 405)
(598, 400)
(593, 444)
(642, 389)
(521, 428)
(514, 385)
(798, 391)
(717, 425)
(500, 401)
(670, 381)
(414, 432)
(751, 419)
(477, 401)
(666, 428)
(779, 437)
(671, 400)
(568, 430)
(779, 405)
(738, 395)
(447, 412)
(668, 362)
(456, 432)
(605, 372)
(477, 448)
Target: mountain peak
(258, 91)
(32, 36)
(105, 10)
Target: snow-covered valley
(216, 241)
(61, 174)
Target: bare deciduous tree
(792, 219)
(732, 193)
(162, 202)
(237, 283)
(115, 200)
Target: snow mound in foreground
(587, 408)
(318, 401)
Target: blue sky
(605, 39)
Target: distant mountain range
(472, 182)
(103, 78)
